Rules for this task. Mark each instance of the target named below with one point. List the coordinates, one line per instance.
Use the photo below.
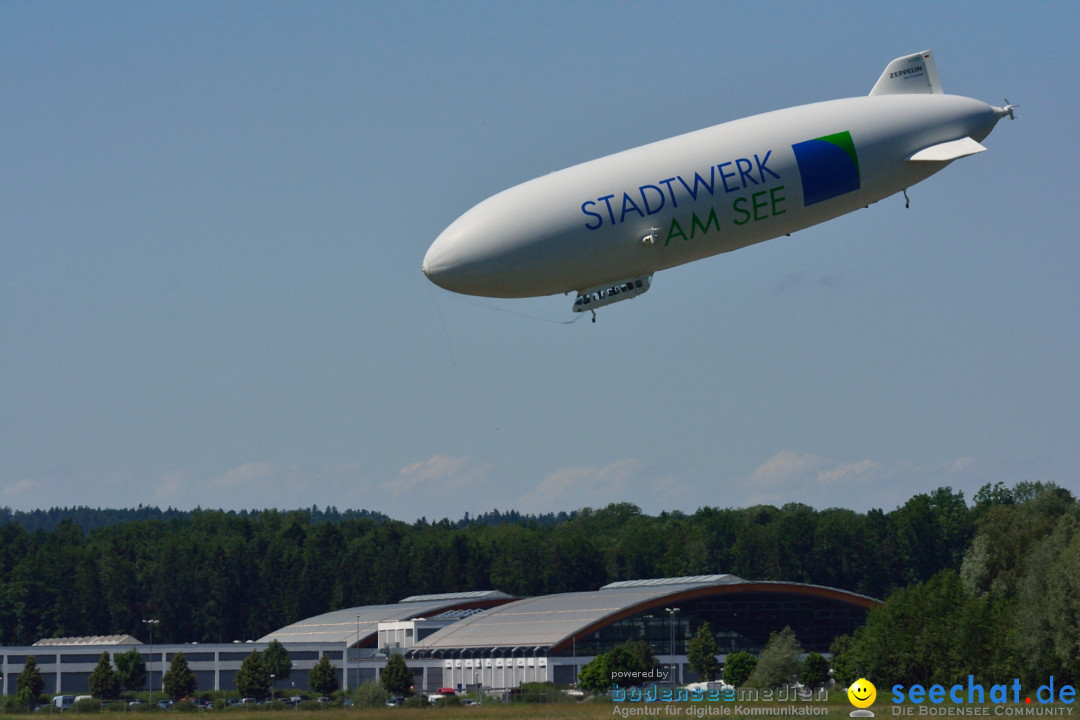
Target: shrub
(448, 701)
(738, 668)
(779, 661)
(90, 705)
(542, 692)
(370, 694)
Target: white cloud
(340, 469)
(961, 464)
(21, 488)
(847, 471)
(171, 487)
(812, 479)
(268, 483)
(668, 489)
(441, 473)
(576, 487)
(247, 474)
(783, 467)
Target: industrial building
(490, 639)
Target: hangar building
(495, 641)
(548, 638)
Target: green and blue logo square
(828, 166)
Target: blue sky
(213, 217)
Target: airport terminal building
(491, 639)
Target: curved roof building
(358, 627)
(492, 640)
(663, 612)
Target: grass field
(835, 709)
(551, 711)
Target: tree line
(1011, 610)
(214, 576)
(125, 672)
(88, 518)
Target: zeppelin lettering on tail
(602, 228)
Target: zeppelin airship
(602, 228)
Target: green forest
(995, 581)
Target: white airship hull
(631, 214)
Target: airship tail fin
(947, 151)
(910, 74)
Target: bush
(91, 705)
(322, 678)
(396, 677)
(369, 694)
(778, 663)
(815, 671)
(11, 704)
(542, 692)
(416, 701)
(448, 701)
(738, 668)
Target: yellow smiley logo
(862, 693)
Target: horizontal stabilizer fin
(909, 75)
(943, 152)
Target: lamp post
(150, 668)
(273, 687)
(357, 650)
(672, 612)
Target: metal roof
(470, 595)
(554, 621)
(358, 625)
(688, 580)
(456, 614)
(547, 620)
(89, 640)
